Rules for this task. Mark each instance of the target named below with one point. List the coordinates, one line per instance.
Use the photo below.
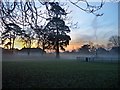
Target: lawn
(59, 74)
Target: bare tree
(27, 37)
(11, 32)
(28, 12)
(115, 40)
(42, 37)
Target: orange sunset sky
(70, 47)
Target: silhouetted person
(86, 59)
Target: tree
(56, 28)
(8, 45)
(18, 12)
(42, 36)
(85, 48)
(115, 40)
(11, 32)
(101, 50)
(27, 37)
(115, 50)
(28, 12)
(88, 7)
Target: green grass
(59, 74)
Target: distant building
(23, 51)
(9, 52)
(31, 51)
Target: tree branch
(90, 8)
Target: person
(86, 59)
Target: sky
(91, 28)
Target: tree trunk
(57, 50)
(57, 46)
(10, 41)
(38, 44)
(13, 43)
(43, 47)
(29, 47)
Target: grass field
(59, 74)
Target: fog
(113, 57)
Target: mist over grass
(114, 57)
(59, 74)
(45, 71)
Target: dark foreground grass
(59, 74)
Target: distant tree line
(114, 41)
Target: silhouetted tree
(115, 40)
(11, 32)
(29, 12)
(115, 50)
(88, 7)
(42, 36)
(8, 45)
(28, 37)
(56, 28)
(101, 50)
(85, 48)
